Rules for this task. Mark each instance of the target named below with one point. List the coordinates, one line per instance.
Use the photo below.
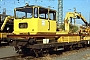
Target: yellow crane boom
(74, 15)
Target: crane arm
(67, 18)
(74, 15)
(83, 19)
(5, 21)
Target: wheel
(67, 48)
(31, 41)
(18, 49)
(36, 53)
(41, 53)
(72, 47)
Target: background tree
(72, 28)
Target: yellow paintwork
(69, 39)
(35, 25)
(87, 38)
(61, 32)
(3, 35)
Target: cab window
(24, 13)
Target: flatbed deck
(52, 45)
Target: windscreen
(24, 13)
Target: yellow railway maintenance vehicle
(34, 30)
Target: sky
(82, 6)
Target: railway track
(8, 53)
(9, 57)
